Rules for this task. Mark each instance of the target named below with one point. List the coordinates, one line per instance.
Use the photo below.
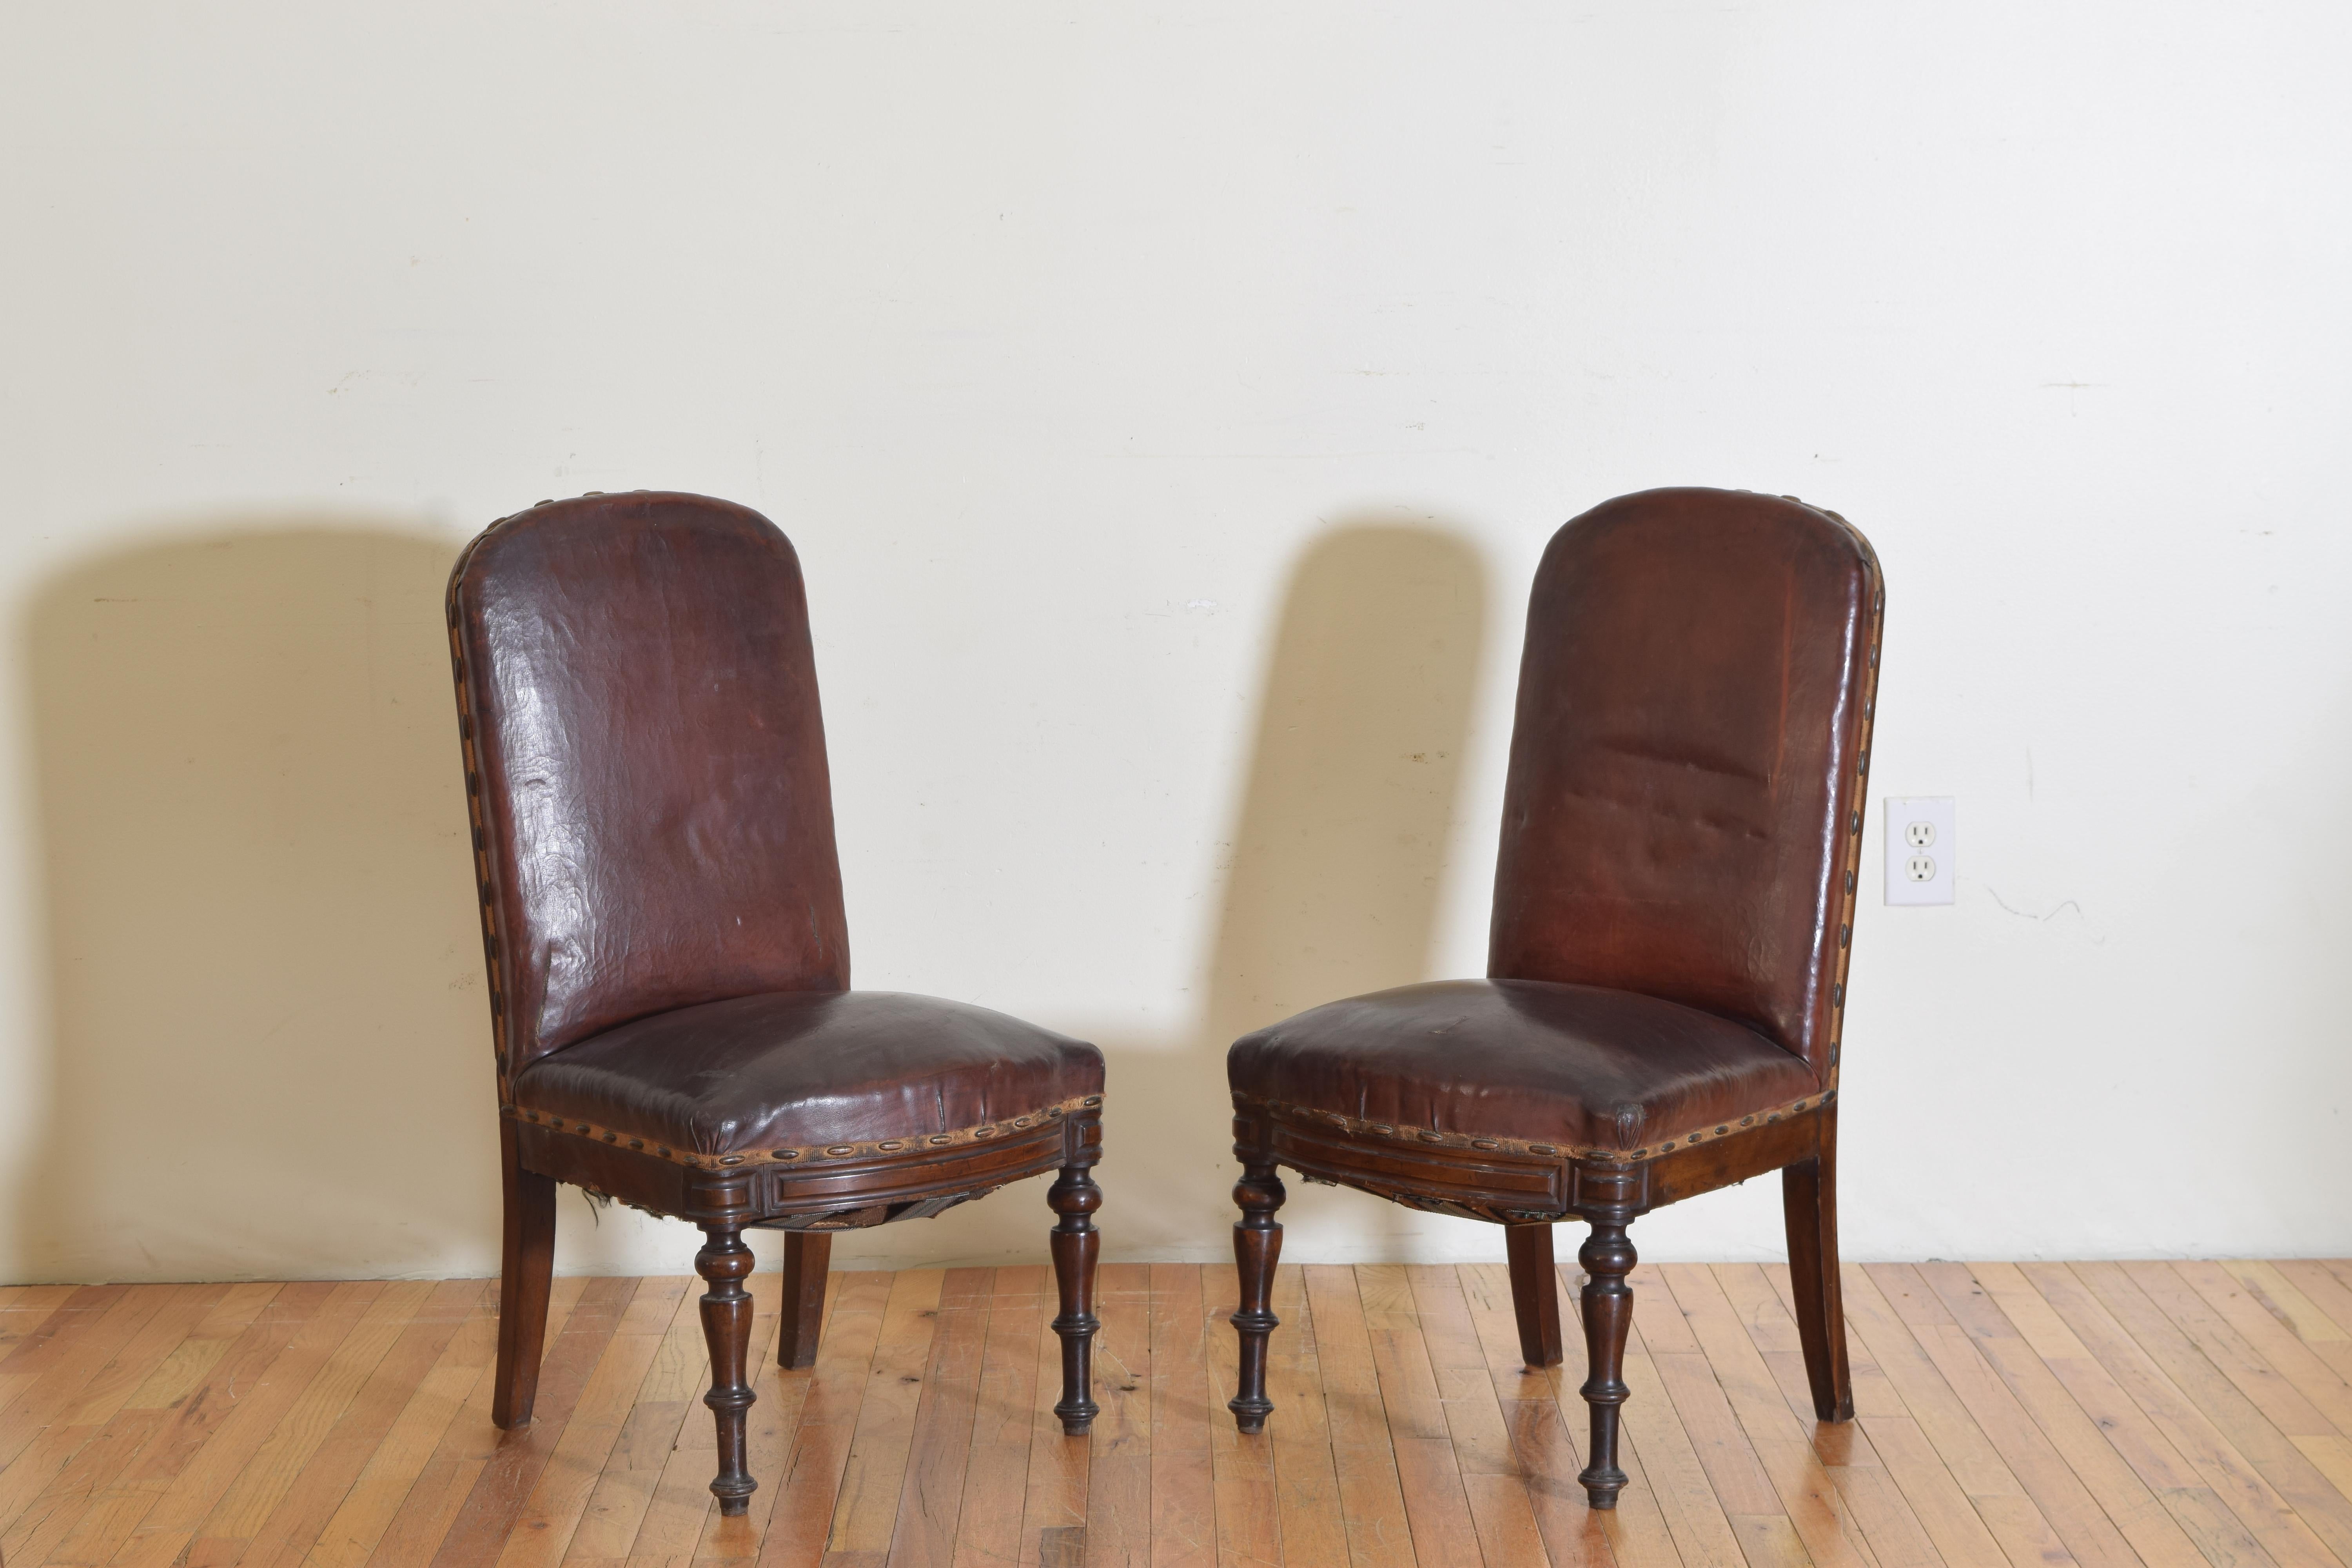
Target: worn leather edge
(1850, 854)
(814, 1153)
(1422, 1137)
(485, 878)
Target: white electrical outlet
(1919, 849)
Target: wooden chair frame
(862, 1185)
(808, 1193)
(1527, 1192)
(1528, 1187)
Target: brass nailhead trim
(1034, 1119)
(1484, 1142)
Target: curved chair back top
(645, 766)
(1683, 809)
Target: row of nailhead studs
(1516, 1146)
(831, 1151)
(1767, 1118)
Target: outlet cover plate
(1921, 848)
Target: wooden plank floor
(2011, 1415)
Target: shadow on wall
(264, 1011)
(265, 1007)
(1335, 866)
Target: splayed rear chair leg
(1535, 1293)
(1808, 1199)
(807, 1254)
(526, 1276)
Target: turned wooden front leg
(1074, 1198)
(724, 1264)
(1257, 1243)
(1608, 1312)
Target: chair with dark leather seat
(1674, 911)
(668, 955)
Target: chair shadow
(1337, 865)
(265, 1007)
(1333, 876)
(264, 978)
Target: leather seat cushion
(801, 1070)
(1575, 1067)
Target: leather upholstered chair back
(645, 758)
(1684, 807)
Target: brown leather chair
(668, 958)
(1674, 907)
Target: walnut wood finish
(724, 1264)
(806, 1255)
(1663, 1007)
(1074, 1198)
(526, 1274)
(1606, 1306)
(1527, 1193)
(1257, 1246)
(1808, 1197)
(668, 960)
(1535, 1293)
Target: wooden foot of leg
(724, 1264)
(1257, 1244)
(1074, 1198)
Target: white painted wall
(1169, 404)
